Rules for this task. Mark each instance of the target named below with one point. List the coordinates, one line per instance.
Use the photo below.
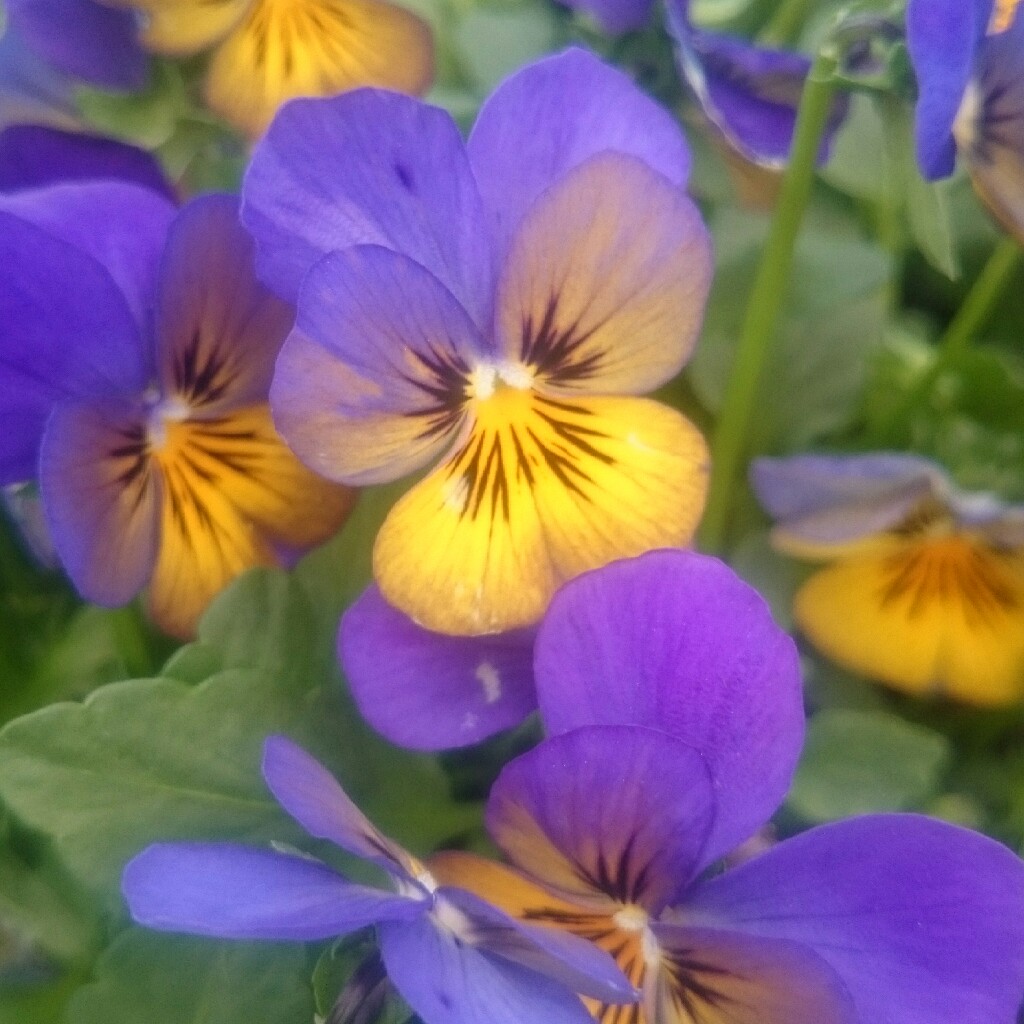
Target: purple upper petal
(31, 91)
(314, 798)
(923, 921)
(83, 38)
(33, 155)
(68, 333)
(676, 641)
(606, 814)
(943, 38)
(428, 691)
(448, 981)
(237, 892)
(121, 225)
(528, 136)
(369, 167)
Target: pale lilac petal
(238, 892)
(676, 641)
(101, 497)
(67, 334)
(429, 691)
(218, 330)
(603, 815)
(528, 136)
(923, 921)
(370, 384)
(367, 168)
(448, 981)
(315, 799)
(32, 155)
(572, 961)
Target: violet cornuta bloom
(454, 958)
(969, 59)
(135, 362)
(673, 708)
(498, 307)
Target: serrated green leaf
(859, 762)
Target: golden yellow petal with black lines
(541, 490)
(942, 615)
(288, 48)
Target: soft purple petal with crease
(368, 385)
(84, 39)
(428, 691)
(753, 980)
(573, 961)
(617, 813)
(367, 168)
(840, 498)
(447, 981)
(315, 799)
(67, 334)
(527, 136)
(239, 892)
(121, 225)
(33, 155)
(677, 641)
(214, 319)
(923, 921)
(101, 498)
(943, 38)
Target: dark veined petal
(720, 977)
(606, 816)
(931, 616)
(606, 281)
(239, 892)
(541, 490)
(218, 329)
(429, 691)
(368, 168)
(527, 137)
(83, 38)
(372, 382)
(33, 155)
(102, 498)
(449, 981)
(921, 920)
(68, 334)
(676, 641)
(315, 48)
(315, 799)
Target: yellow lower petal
(542, 490)
(288, 48)
(938, 616)
(180, 27)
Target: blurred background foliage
(168, 744)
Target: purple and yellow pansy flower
(134, 368)
(499, 306)
(453, 957)
(968, 56)
(673, 708)
(924, 583)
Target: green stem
(731, 437)
(785, 24)
(965, 326)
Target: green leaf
(859, 762)
(164, 979)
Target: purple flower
(673, 734)
(498, 306)
(924, 583)
(969, 59)
(81, 38)
(134, 368)
(30, 90)
(454, 958)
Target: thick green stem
(731, 440)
